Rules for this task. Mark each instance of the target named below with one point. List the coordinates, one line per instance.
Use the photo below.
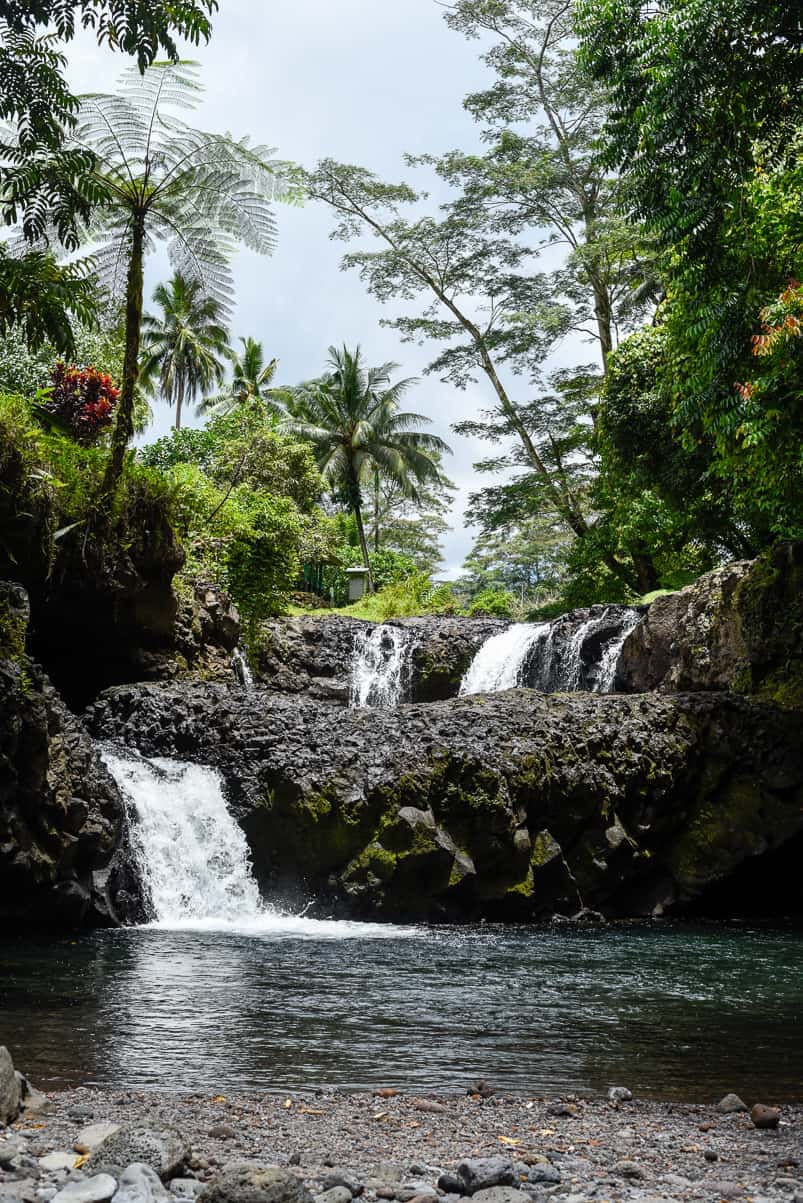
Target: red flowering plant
(81, 401)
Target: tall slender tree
(186, 347)
(351, 417)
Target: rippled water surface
(673, 1012)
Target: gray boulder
(478, 1173)
(245, 1183)
(140, 1184)
(9, 1088)
(97, 1189)
(161, 1147)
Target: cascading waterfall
(193, 857)
(191, 854)
(242, 669)
(572, 653)
(606, 680)
(380, 668)
(500, 661)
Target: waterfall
(380, 667)
(242, 669)
(578, 651)
(499, 662)
(194, 861)
(192, 856)
(606, 679)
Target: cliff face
(64, 856)
(508, 806)
(740, 628)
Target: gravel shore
(387, 1146)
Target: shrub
(81, 401)
(493, 603)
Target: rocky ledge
(314, 655)
(510, 806)
(738, 628)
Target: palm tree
(352, 419)
(250, 385)
(186, 347)
(156, 179)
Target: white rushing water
(499, 662)
(242, 669)
(380, 667)
(194, 860)
(550, 656)
(610, 655)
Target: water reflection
(674, 1012)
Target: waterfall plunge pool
(222, 992)
(674, 1011)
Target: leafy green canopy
(692, 86)
(246, 505)
(705, 122)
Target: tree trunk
(646, 572)
(124, 426)
(363, 544)
(179, 403)
(376, 511)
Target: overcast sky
(363, 81)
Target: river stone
(140, 1184)
(185, 1188)
(408, 1191)
(90, 1137)
(502, 1194)
(9, 1088)
(58, 1161)
(345, 1178)
(97, 1189)
(731, 1103)
(477, 1173)
(161, 1147)
(629, 1169)
(544, 1174)
(21, 1191)
(335, 1194)
(244, 1183)
(765, 1117)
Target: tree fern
(165, 182)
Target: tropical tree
(351, 417)
(186, 347)
(472, 269)
(250, 383)
(163, 181)
(43, 181)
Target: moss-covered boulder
(739, 628)
(508, 806)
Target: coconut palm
(157, 180)
(186, 347)
(250, 384)
(351, 417)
